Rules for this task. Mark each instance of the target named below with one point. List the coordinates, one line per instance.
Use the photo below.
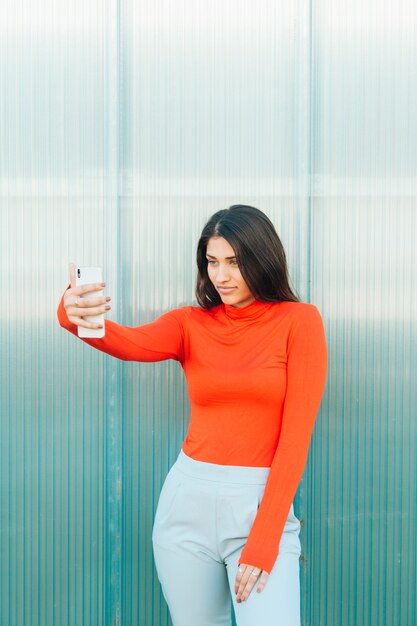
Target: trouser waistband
(221, 473)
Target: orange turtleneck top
(255, 377)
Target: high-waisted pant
(204, 515)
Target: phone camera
(79, 273)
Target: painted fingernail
(103, 284)
(108, 307)
(108, 299)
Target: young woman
(255, 360)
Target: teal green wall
(124, 126)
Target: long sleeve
(306, 378)
(156, 341)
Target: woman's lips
(225, 289)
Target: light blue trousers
(204, 515)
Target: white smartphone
(85, 276)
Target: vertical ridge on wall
(114, 412)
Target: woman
(255, 361)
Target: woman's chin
(234, 300)
(229, 298)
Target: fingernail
(103, 284)
(108, 299)
(107, 307)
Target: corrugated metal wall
(124, 125)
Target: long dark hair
(259, 253)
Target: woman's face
(224, 273)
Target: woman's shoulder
(299, 310)
(187, 312)
(298, 307)
(194, 314)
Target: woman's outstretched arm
(156, 341)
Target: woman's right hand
(76, 308)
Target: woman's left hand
(247, 576)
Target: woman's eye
(234, 263)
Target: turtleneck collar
(249, 312)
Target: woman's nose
(222, 274)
